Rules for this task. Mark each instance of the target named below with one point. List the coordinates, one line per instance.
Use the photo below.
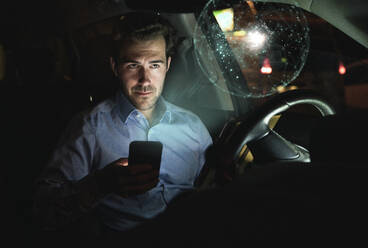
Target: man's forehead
(147, 48)
(142, 54)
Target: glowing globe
(250, 48)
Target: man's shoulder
(105, 106)
(94, 113)
(181, 111)
(180, 115)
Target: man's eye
(132, 66)
(155, 66)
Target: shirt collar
(126, 108)
(162, 112)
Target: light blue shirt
(103, 135)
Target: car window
(254, 50)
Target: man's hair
(143, 26)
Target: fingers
(119, 177)
(129, 177)
(134, 169)
(139, 168)
(122, 162)
(130, 190)
(134, 179)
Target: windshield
(254, 50)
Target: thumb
(122, 162)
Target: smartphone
(145, 152)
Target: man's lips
(141, 93)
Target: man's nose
(144, 75)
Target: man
(89, 170)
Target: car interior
(288, 163)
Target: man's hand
(120, 178)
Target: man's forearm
(59, 203)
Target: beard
(144, 102)
(141, 88)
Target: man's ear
(168, 63)
(114, 66)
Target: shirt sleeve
(205, 140)
(66, 190)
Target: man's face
(141, 68)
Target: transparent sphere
(253, 46)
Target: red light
(342, 69)
(266, 68)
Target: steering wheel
(253, 129)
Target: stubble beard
(144, 103)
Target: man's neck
(155, 113)
(149, 114)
